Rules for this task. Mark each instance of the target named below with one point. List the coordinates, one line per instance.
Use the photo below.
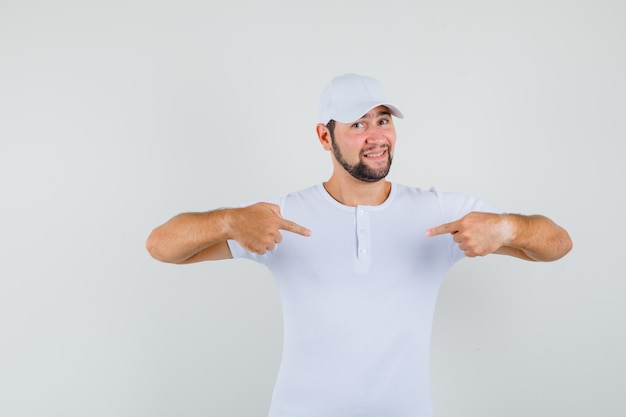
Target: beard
(362, 171)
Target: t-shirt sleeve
(456, 205)
(239, 252)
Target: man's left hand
(477, 233)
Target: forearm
(537, 237)
(188, 234)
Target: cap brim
(356, 112)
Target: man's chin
(369, 175)
(371, 180)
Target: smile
(378, 154)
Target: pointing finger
(288, 224)
(294, 228)
(442, 229)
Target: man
(358, 262)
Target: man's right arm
(196, 237)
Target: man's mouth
(375, 153)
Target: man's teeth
(374, 155)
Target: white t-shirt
(358, 299)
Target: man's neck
(352, 192)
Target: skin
(369, 141)
(196, 237)
(361, 153)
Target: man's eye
(358, 125)
(383, 122)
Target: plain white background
(116, 115)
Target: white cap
(348, 97)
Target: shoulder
(450, 204)
(300, 197)
(312, 191)
(433, 193)
(303, 194)
(456, 204)
(404, 192)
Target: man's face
(364, 148)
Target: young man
(358, 262)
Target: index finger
(442, 229)
(294, 228)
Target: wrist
(508, 229)
(225, 222)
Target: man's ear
(323, 134)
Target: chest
(364, 240)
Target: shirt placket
(363, 233)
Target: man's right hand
(257, 227)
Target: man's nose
(375, 136)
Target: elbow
(563, 246)
(566, 243)
(554, 249)
(154, 246)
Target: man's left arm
(534, 238)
